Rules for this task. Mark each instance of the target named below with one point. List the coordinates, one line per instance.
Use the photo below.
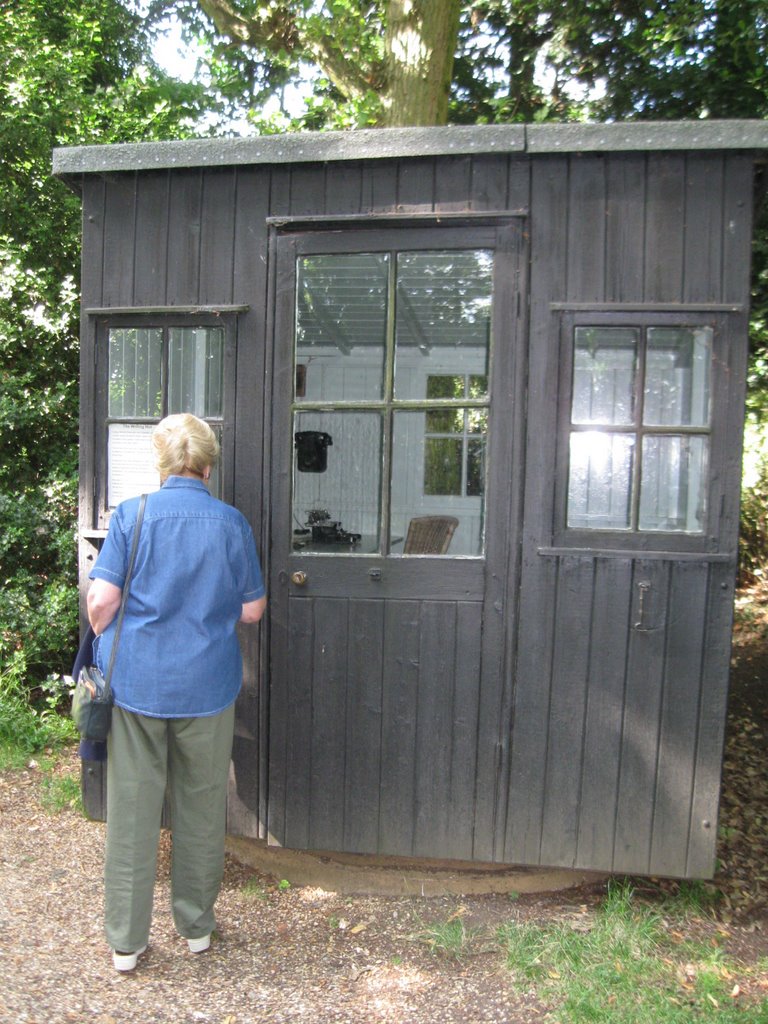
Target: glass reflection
(135, 372)
(677, 376)
(439, 475)
(336, 482)
(443, 320)
(604, 375)
(673, 488)
(196, 370)
(341, 324)
(599, 484)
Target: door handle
(299, 578)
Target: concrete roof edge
(298, 147)
(647, 135)
(384, 143)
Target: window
(153, 371)
(390, 404)
(640, 427)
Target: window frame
(633, 538)
(102, 418)
(490, 234)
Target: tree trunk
(419, 44)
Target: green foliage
(30, 722)
(71, 73)
(625, 965)
(753, 534)
(516, 60)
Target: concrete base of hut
(362, 874)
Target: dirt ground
(286, 954)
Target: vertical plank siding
(609, 629)
(586, 231)
(120, 244)
(626, 185)
(597, 742)
(247, 809)
(381, 726)
(362, 742)
(621, 732)
(634, 714)
(184, 233)
(151, 261)
(665, 228)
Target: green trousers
(190, 758)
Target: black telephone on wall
(312, 450)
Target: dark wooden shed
(480, 393)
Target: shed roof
(382, 143)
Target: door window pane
(341, 324)
(336, 482)
(135, 372)
(673, 490)
(443, 319)
(605, 360)
(677, 376)
(439, 476)
(442, 465)
(600, 480)
(196, 370)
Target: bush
(753, 533)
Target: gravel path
(280, 956)
(304, 955)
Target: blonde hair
(183, 443)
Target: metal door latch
(643, 587)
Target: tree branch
(274, 33)
(349, 77)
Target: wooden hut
(480, 392)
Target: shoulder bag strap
(124, 599)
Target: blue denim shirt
(196, 565)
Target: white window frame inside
(124, 463)
(634, 435)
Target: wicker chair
(430, 535)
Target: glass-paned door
(388, 347)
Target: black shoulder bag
(92, 700)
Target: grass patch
(451, 938)
(624, 966)
(60, 793)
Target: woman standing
(177, 672)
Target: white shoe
(127, 961)
(199, 945)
